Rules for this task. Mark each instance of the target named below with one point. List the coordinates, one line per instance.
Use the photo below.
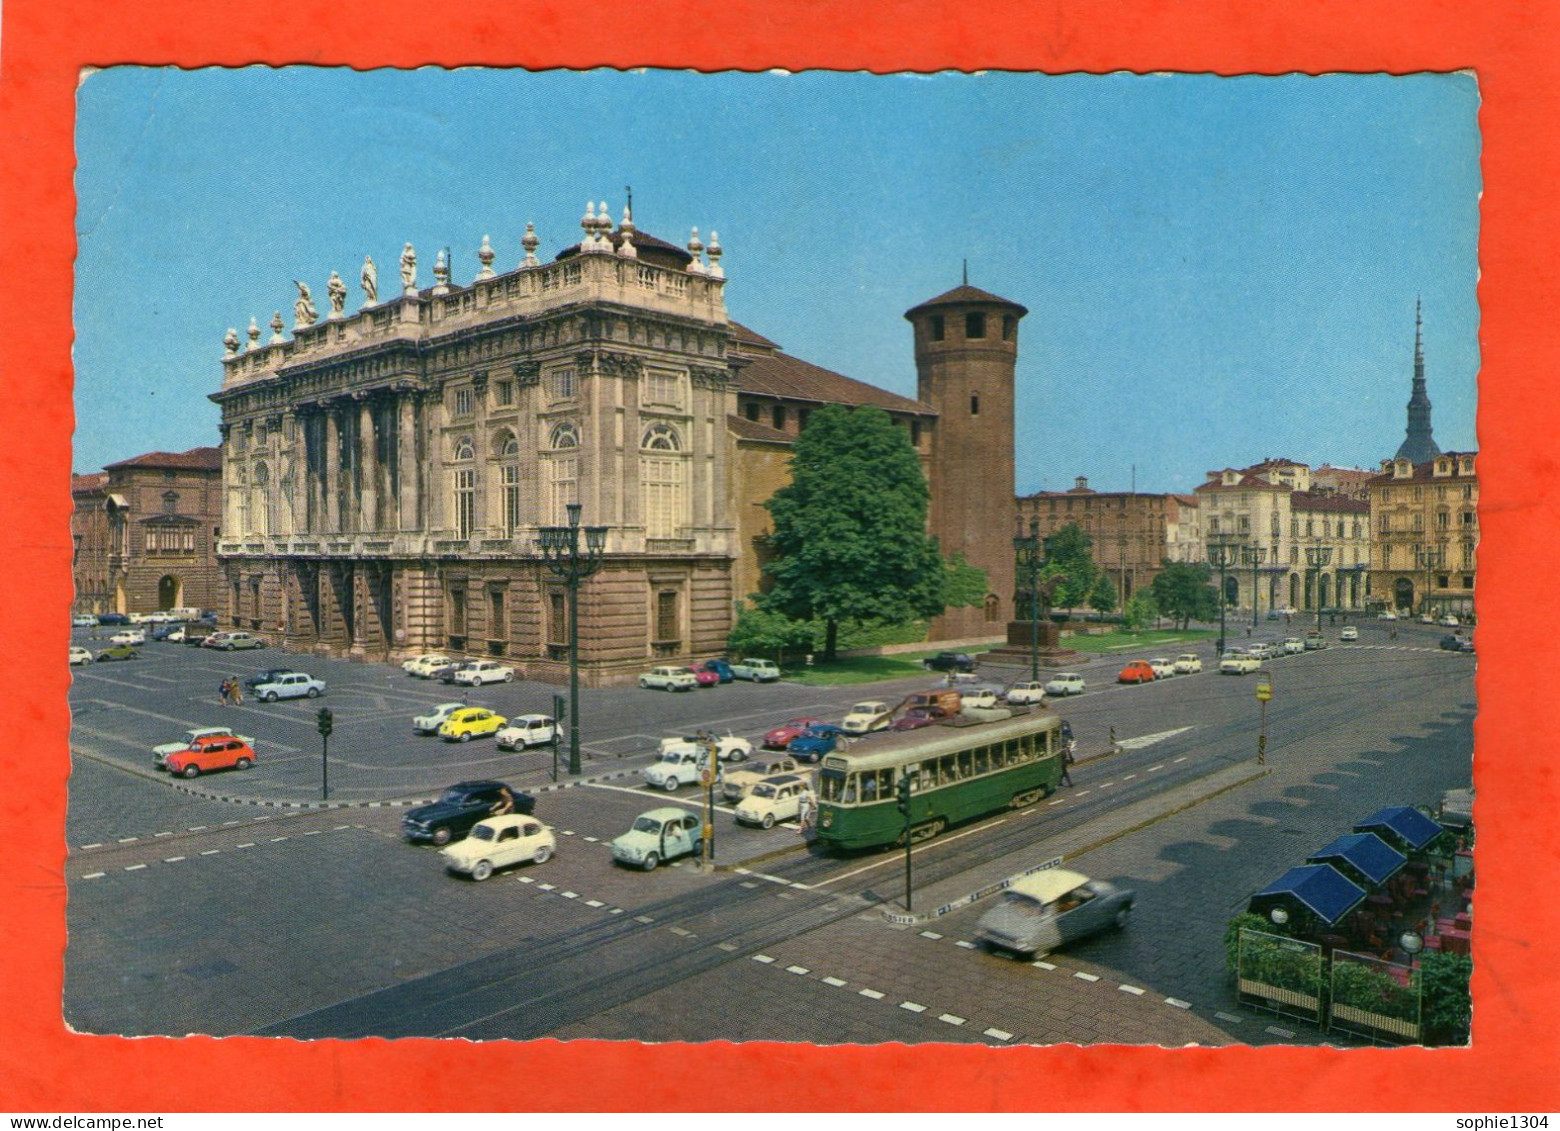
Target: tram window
(869, 787)
(850, 790)
(1015, 751)
(918, 779)
(885, 783)
(966, 764)
(998, 756)
(946, 772)
(830, 784)
(983, 759)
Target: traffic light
(902, 792)
(324, 721)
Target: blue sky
(1217, 270)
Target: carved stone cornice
(527, 373)
(479, 381)
(709, 377)
(615, 364)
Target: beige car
(774, 799)
(865, 717)
(738, 783)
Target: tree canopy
(1183, 591)
(1070, 554)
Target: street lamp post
(1221, 554)
(1318, 558)
(1430, 559)
(1254, 557)
(1030, 553)
(560, 546)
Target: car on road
(703, 677)
(917, 717)
(1293, 646)
(1238, 661)
(1188, 663)
(867, 716)
(738, 783)
(721, 669)
(266, 676)
(1027, 691)
(657, 835)
(1315, 642)
(758, 671)
(1348, 632)
(498, 842)
(446, 673)
(1163, 666)
(479, 672)
(196, 635)
(1455, 643)
(1386, 614)
(525, 731)
(981, 698)
(816, 741)
(112, 618)
(80, 655)
(728, 748)
(676, 767)
(1136, 671)
(83, 620)
(168, 633)
(1261, 650)
(780, 737)
(1448, 621)
(773, 799)
(435, 718)
(470, 722)
(669, 679)
(212, 752)
(949, 662)
(426, 664)
(1426, 618)
(1060, 685)
(1049, 909)
(160, 754)
(231, 641)
(119, 652)
(293, 685)
(1274, 614)
(460, 807)
(129, 636)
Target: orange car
(1136, 671)
(213, 752)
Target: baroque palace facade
(386, 471)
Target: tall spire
(1419, 444)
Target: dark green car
(119, 652)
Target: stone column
(367, 466)
(332, 484)
(407, 469)
(484, 455)
(435, 484)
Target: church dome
(651, 250)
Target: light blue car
(293, 685)
(660, 834)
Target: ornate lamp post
(1317, 559)
(1431, 558)
(1030, 553)
(1253, 556)
(560, 546)
(1222, 555)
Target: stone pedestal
(1019, 649)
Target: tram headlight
(828, 818)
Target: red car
(211, 752)
(705, 678)
(1136, 671)
(917, 717)
(780, 737)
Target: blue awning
(1405, 822)
(1320, 888)
(1372, 858)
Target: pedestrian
(1068, 758)
(236, 691)
(222, 691)
(804, 813)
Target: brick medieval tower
(966, 346)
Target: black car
(1456, 644)
(461, 806)
(113, 618)
(949, 662)
(266, 676)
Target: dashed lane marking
(249, 844)
(1182, 758)
(764, 958)
(875, 995)
(1086, 976)
(1126, 989)
(134, 867)
(594, 903)
(930, 935)
(1151, 769)
(952, 1019)
(1178, 1003)
(835, 982)
(211, 851)
(1287, 1034)
(172, 859)
(128, 839)
(643, 919)
(1058, 801)
(85, 846)
(681, 931)
(998, 1034)
(161, 834)
(725, 946)
(798, 970)
(94, 875)
(1230, 1017)
(965, 944)
(912, 1006)
(1039, 965)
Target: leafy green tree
(1070, 555)
(849, 535)
(1140, 611)
(964, 585)
(764, 632)
(1102, 598)
(1448, 1005)
(1184, 592)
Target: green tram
(956, 773)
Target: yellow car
(470, 722)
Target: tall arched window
(663, 478)
(562, 470)
(509, 480)
(465, 490)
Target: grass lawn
(858, 669)
(1166, 639)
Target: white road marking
(1058, 801)
(594, 903)
(836, 982)
(86, 846)
(573, 895)
(1287, 1034)
(251, 844)
(965, 944)
(912, 1006)
(1143, 740)
(161, 834)
(1161, 766)
(930, 935)
(547, 887)
(128, 839)
(764, 958)
(172, 859)
(1126, 989)
(1043, 965)
(94, 875)
(873, 994)
(211, 852)
(1182, 758)
(1086, 976)
(952, 1019)
(1178, 1003)
(925, 846)
(134, 867)
(998, 1034)
(526, 879)
(1229, 1017)
(797, 970)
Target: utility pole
(902, 790)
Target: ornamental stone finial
(530, 242)
(277, 326)
(695, 246)
(230, 341)
(715, 252)
(254, 333)
(485, 257)
(441, 274)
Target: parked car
(703, 677)
(1187, 663)
(213, 752)
(728, 748)
(266, 676)
(83, 620)
(196, 634)
(780, 737)
(949, 662)
(479, 672)
(129, 636)
(80, 655)
(1426, 618)
(816, 741)
(917, 717)
(1448, 621)
(981, 698)
(430, 722)
(758, 671)
(1293, 645)
(1260, 649)
(773, 799)
(1289, 611)
(1136, 671)
(160, 754)
(112, 618)
(422, 666)
(1238, 661)
(1315, 641)
(867, 716)
(446, 673)
(231, 641)
(460, 807)
(1163, 667)
(1348, 632)
(525, 731)
(1274, 614)
(669, 679)
(1065, 683)
(676, 767)
(657, 835)
(1455, 643)
(1049, 909)
(168, 633)
(498, 842)
(738, 783)
(293, 685)
(721, 669)
(1028, 691)
(119, 652)
(470, 722)
(1386, 614)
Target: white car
(80, 655)
(1289, 611)
(434, 719)
(1426, 618)
(1294, 646)
(479, 672)
(497, 842)
(759, 671)
(738, 783)
(729, 748)
(669, 679)
(140, 618)
(1237, 661)
(1026, 691)
(867, 716)
(293, 685)
(980, 698)
(83, 620)
(128, 636)
(425, 665)
(773, 799)
(176, 636)
(1449, 621)
(1187, 663)
(1065, 683)
(1387, 615)
(1163, 667)
(675, 768)
(160, 753)
(527, 730)
(1348, 632)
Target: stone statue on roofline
(369, 280)
(304, 313)
(409, 270)
(336, 290)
